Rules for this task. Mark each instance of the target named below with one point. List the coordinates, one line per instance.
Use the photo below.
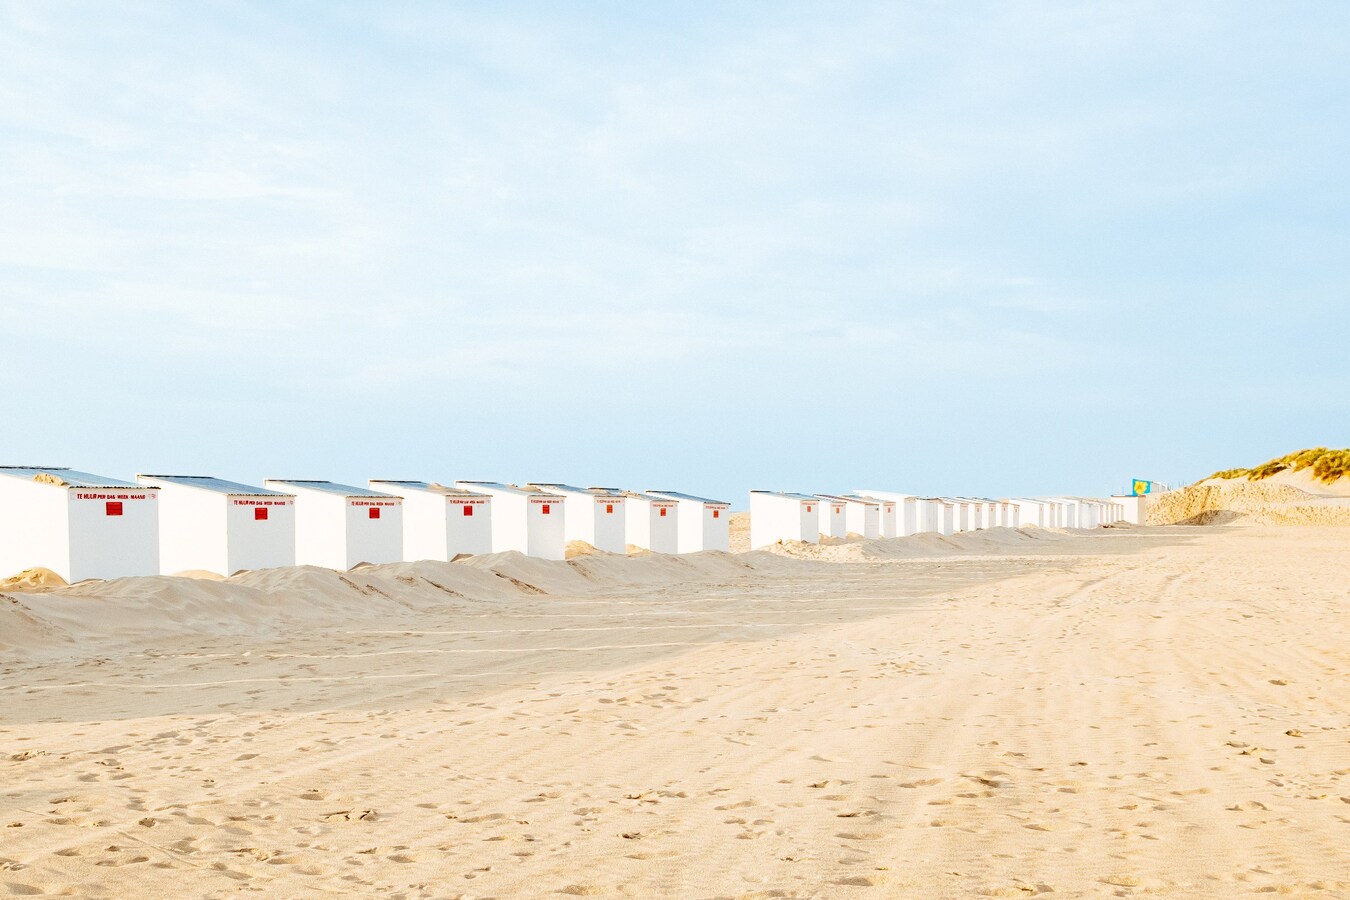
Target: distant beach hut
(524, 519)
(440, 522)
(222, 526)
(1027, 511)
(594, 515)
(703, 524)
(653, 523)
(338, 526)
(1132, 508)
(907, 511)
(861, 514)
(776, 516)
(77, 524)
(833, 518)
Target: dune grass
(1327, 466)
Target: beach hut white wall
(1031, 512)
(338, 526)
(703, 524)
(960, 514)
(1132, 509)
(76, 524)
(440, 522)
(862, 515)
(908, 510)
(889, 519)
(833, 519)
(653, 523)
(594, 515)
(524, 519)
(777, 516)
(946, 516)
(222, 526)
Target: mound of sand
(36, 579)
(1218, 501)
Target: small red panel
(374, 512)
(663, 512)
(808, 508)
(716, 513)
(468, 510)
(609, 508)
(546, 509)
(114, 507)
(260, 514)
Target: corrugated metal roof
(332, 487)
(505, 488)
(430, 487)
(679, 496)
(219, 485)
(648, 498)
(789, 495)
(71, 477)
(550, 486)
(855, 498)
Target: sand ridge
(1131, 712)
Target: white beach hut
(889, 518)
(653, 523)
(524, 519)
(222, 526)
(1132, 508)
(76, 524)
(907, 511)
(703, 524)
(833, 517)
(594, 515)
(440, 522)
(861, 514)
(776, 516)
(339, 526)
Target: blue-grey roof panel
(71, 477)
(332, 487)
(219, 485)
(679, 496)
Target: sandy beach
(1135, 711)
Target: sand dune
(1152, 712)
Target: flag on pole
(1142, 487)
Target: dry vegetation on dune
(1295, 489)
(1327, 466)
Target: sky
(945, 248)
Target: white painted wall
(34, 527)
(338, 532)
(597, 519)
(863, 517)
(105, 545)
(527, 522)
(192, 530)
(779, 517)
(71, 531)
(833, 520)
(441, 526)
(701, 524)
(374, 530)
(1133, 510)
(653, 524)
(260, 532)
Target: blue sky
(1000, 248)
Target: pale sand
(1135, 712)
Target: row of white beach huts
(777, 516)
(85, 526)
